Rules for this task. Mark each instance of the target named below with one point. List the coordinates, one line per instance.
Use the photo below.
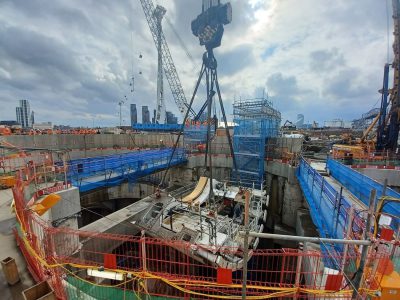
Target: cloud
(233, 61)
(286, 93)
(326, 60)
(74, 59)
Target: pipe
(306, 238)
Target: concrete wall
(292, 201)
(69, 204)
(133, 191)
(282, 170)
(292, 145)
(218, 161)
(304, 223)
(70, 141)
(393, 176)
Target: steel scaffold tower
(255, 121)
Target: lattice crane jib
(158, 14)
(168, 64)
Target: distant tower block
(300, 121)
(133, 114)
(145, 115)
(32, 118)
(23, 113)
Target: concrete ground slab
(8, 248)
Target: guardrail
(361, 186)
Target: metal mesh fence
(93, 265)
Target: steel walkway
(330, 196)
(105, 171)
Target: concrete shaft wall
(83, 141)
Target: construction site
(205, 209)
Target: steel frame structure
(256, 121)
(106, 171)
(168, 64)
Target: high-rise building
(133, 114)
(19, 115)
(153, 120)
(300, 121)
(171, 119)
(32, 120)
(145, 115)
(24, 114)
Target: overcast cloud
(73, 59)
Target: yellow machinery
(7, 182)
(48, 202)
(390, 283)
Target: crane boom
(168, 64)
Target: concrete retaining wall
(393, 176)
(70, 141)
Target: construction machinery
(288, 126)
(154, 16)
(389, 116)
(387, 121)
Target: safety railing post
(44, 172)
(364, 252)
(320, 195)
(298, 269)
(144, 264)
(338, 210)
(245, 245)
(348, 232)
(65, 170)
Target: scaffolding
(255, 122)
(195, 136)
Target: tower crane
(153, 16)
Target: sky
(74, 59)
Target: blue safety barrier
(157, 127)
(329, 209)
(361, 186)
(112, 170)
